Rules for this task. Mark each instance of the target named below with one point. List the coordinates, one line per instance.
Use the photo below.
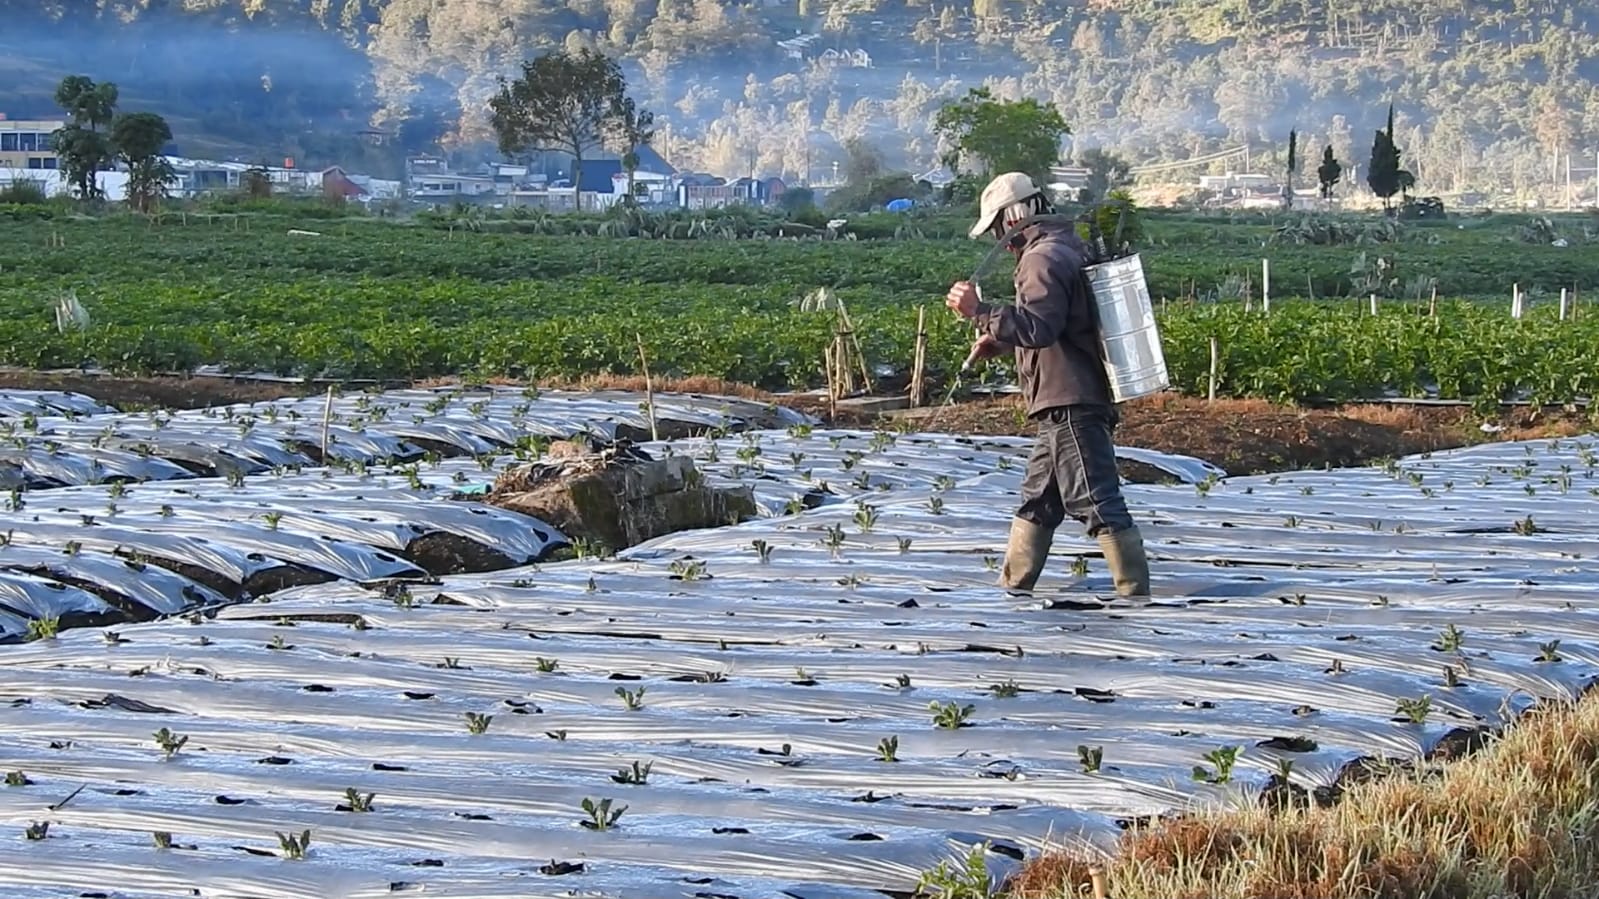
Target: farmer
(1053, 330)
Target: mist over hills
(1487, 94)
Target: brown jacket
(1053, 326)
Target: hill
(1489, 93)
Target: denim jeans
(1072, 471)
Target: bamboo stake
(1096, 877)
(919, 361)
(327, 416)
(1215, 362)
(849, 329)
(649, 387)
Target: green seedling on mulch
(1451, 677)
(687, 570)
(73, 547)
(601, 816)
(902, 681)
(272, 519)
(169, 742)
(452, 663)
(43, 628)
(763, 550)
(1222, 759)
(800, 432)
(935, 504)
(478, 723)
(888, 749)
(631, 700)
(277, 643)
(592, 586)
(1414, 710)
(113, 638)
(1549, 652)
(295, 846)
(991, 563)
(949, 715)
(558, 736)
(1007, 689)
(1090, 757)
(833, 538)
(1285, 768)
(162, 839)
(850, 581)
(1450, 640)
(881, 440)
(1526, 527)
(863, 481)
(1080, 566)
(967, 880)
(904, 544)
(358, 801)
(545, 666)
(866, 518)
(401, 596)
(637, 775)
(38, 830)
(17, 779)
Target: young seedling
(1450, 640)
(401, 596)
(866, 518)
(169, 742)
(637, 775)
(17, 779)
(558, 736)
(1285, 768)
(949, 715)
(1526, 527)
(1549, 652)
(1414, 710)
(888, 749)
(293, 846)
(763, 550)
(43, 628)
(478, 723)
(631, 700)
(935, 504)
(904, 544)
(1451, 677)
(1090, 757)
(272, 519)
(601, 816)
(969, 879)
(902, 681)
(546, 666)
(357, 801)
(687, 570)
(1005, 689)
(162, 839)
(991, 563)
(1223, 759)
(38, 830)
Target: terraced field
(820, 702)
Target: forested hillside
(1487, 92)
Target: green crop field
(442, 295)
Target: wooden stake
(919, 360)
(327, 416)
(649, 388)
(1096, 878)
(1215, 362)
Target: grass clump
(1516, 819)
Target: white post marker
(1265, 285)
(1515, 301)
(1373, 304)
(1562, 304)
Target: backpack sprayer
(1129, 341)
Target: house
(448, 188)
(336, 185)
(29, 143)
(1067, 179)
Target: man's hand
(986, 347)
(962, 298)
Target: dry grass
(1518, 819)
(631, 383)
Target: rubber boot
(1124, 556)
(1025, 554)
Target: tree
(1288, 185)
(1384, 175)
(138, 138)
(862, 162)
(632, 128)
(1106, 172)
(563, 102)
(1328, 172)
(80, 145)
(1002, 135)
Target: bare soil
(1241, 436)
